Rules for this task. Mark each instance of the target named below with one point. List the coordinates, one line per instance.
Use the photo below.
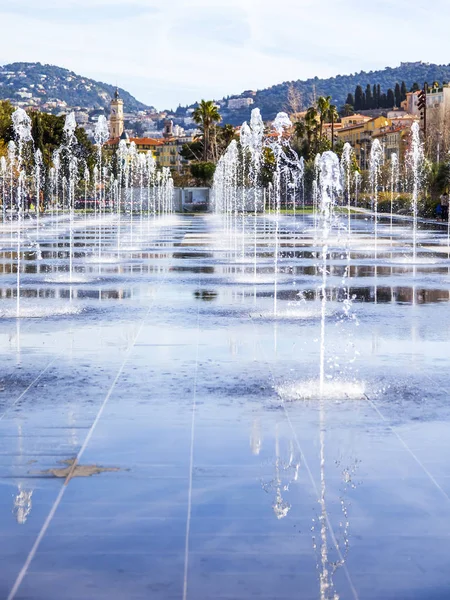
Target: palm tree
(227, 134)
(332, 116)
(299, 129)
(323, 106)
(206, 115)
(311, 124)
(347, 110)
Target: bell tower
(116, 122)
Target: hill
(55, 89)
(274, 99)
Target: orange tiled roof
(146, 142)
(138, 141)
(356, 126)
(392, 130)
(357, 116)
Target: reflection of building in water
(22, 505)
(60, 293)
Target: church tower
(116, 122)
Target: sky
(178, 52)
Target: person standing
(444, 206)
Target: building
(404, 121)
(394, 140)
(331, 129)
(355, 119)
(238, 103)
(410, 105)
(417, 63)
(165, 151)
(168, 128)
(438, 98)
(360, 137)
(116, 120)
(82, 118)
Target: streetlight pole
(332, 130)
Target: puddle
(78, 471)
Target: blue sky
(166, 53)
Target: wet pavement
(161, 434)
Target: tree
(86, 149)
(227, 134)
(415, 87)
(375, 96)
(268, 166)
(390, 99)
(347, 110)
(48, 134)
(437, 178)
(311, 128)
(203, 171)
(369, 98)
(350, 100)
(299, 129)
(224, 136)
(206, 115)
(47, 131)
(333, 116)
(403, 91)
(192, 151)
(359, 98)
(294, 100)
(398, 95)
(6, 130)
(323, 107)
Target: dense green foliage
(203, 172)
(206, 150)
(206, 116)
(48, 135)
(6, 130)
(373, 98)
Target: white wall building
(238, 103)
(439, 98)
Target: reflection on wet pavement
(216, 472)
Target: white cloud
(166, 53)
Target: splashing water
(394, 178)
(70, 126)
(417, 162)
(330, 188)
(346, 166)
(375, 163)
(22, 132)
(22, 506)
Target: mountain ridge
(44, 85)
(274, 99)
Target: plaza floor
(217, 472)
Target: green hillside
(275, 99)
(39, 84)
